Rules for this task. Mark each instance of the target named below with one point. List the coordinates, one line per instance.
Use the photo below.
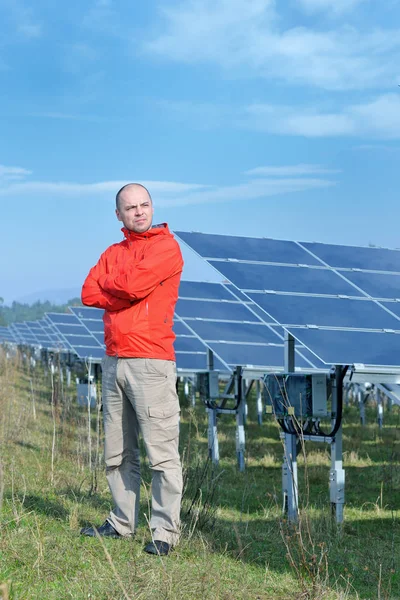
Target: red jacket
(136, 281)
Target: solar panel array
(227, 324)
(191, 353)
(341, 302)
(76, 337)
(7, 335)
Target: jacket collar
(159, 229)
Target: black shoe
(158, 547)
(105, 530)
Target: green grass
(235, 544)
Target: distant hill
(53, 296)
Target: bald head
(134, 207)
(131, 187)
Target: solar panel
(326, 311)
(6, 335)
(394, 307)
(75, 336)
(350, 347)
(23, 334)
(235, 332)
(62, 318)
(191, 354)
(211, 316)
(40, 334)
(209, 309)
(376, 285)
(189, 344)
(87, 312)
(230, 328)
(209, 291)
(304, 280)
(257, 356)
(99, 337)
(319, 306)
(247, 248)
(355, 257)
(72, 329)
(92, 352)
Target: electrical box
(208, 385)
(295, 394)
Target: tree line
(18, 311)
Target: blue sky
(254, 117)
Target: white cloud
(378, 118)
(164, 188)
(165, 193)
(23, 19)
(68, 117)
(334, 7)
(12, 173)
(253, 190)
(377, 147)
(290, 170)
(248, 38)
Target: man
(136, 282)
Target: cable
(339, 409)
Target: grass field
(235, 544)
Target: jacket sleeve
(163, 261)
(94, 295)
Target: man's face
(135, 210)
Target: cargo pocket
(164, 422)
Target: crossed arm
(118, 290)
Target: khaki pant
(139, 394)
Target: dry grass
(235, 545)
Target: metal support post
(186, 387)
(240, 435)
(361, 404)
(337, 473)
(244, 399)
(68, 376)
(193, 392)
(289, 466)
(289, 477)
(379, 404)
(346, 394)
(259, 402)
(213, 447)
(240, 418)
(289, 353)
(210, 360)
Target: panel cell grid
(221, 311)
(355, 257)
(326, 312)
(247, 248)
(304, 280)
(205, 291)
(376, 285)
